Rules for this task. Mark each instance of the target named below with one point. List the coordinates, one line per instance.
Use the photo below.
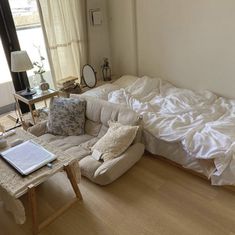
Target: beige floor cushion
(98, 114)
(73, 145)
(104, 173)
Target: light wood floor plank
(153, 198)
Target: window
(29, 32)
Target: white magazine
(28, 157)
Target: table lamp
(20, 62)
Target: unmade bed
(193, 129)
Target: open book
(27, 157)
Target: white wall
(122, 36)
(189, 42)
(98, 36)
(6, 93)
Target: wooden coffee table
(13, 185)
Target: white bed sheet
(201, 124)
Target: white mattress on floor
(171, 151)
(175, 152)
(194, 129)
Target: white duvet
(201, 121)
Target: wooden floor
(154, 197)
(8, 122)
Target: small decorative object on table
(106, 70)
(44, 86)
(69, 86)
(20, 62)
(89, 78)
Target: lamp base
(28, 92)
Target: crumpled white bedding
(201, 121)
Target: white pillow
(117, 139)
(125, 81)
(143, 86)
(117, 97)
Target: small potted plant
(39, 69)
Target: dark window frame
(11, 43)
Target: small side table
(31, 100)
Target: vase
(44, 86)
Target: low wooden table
(13, 185)
(31, 100)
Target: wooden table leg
(33, 207)
(31, 111)
(19, 110)
(36, 225)
(45, 103)
(71, 176)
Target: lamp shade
(20, 61)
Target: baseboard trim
(7, 108)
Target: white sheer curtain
(65, 33)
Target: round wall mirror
(89, 76)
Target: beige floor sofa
(98, 113)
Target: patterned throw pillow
(66, 116)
